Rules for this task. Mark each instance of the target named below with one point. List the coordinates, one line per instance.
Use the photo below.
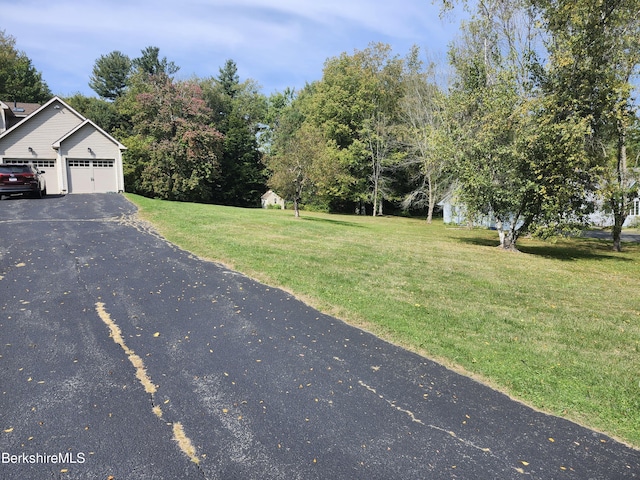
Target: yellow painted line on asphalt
(141, 374)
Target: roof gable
(57, 102)
(89, 123)
(44, 107)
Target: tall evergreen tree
(151, 63)
(238, 109)
(228, 78)
(110, 75)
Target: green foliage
(355, 104)
(19, 79)
(524, 159)
(103, 113)
(150, 63)
(594, 49)
(178, 151)
(237, 112)
(299, 161)
(228, 78)
(426, 135)
(110, 75)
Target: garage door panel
(91, 176)
(104, 176)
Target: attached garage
(91, 176)
(76, 155)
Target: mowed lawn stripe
(556, 326)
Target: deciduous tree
(427, 136)
(298, 158)
(19, 79)
(594, 53)
(181, 150)
(355, 104)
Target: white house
(454, 212)
(272, 198)
(76, 155)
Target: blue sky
(278, 43)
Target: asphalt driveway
(124, 357)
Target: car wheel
(44, 193)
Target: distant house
(454, 212)
(76, 155)
(272, 198)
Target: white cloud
(279, 43)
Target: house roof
(37, 111)
(84, 121)
(19, 109)
(57, 143)
(269, 193)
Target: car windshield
(15, 169)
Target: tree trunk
(507, 238)
(616, 232)
(375, 190)
(619, 203)
(296, 208)
(431, 205)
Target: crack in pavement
(451, 433)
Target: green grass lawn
(556, 326)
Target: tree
(110, 75)
(237, 111)
(356, 104)
(594, 50)
(19, 80)
(178, 151)
(427, 136)
(581, 101)
(519, 161)
(150, 63)
(105, 114)
(299, 158)
(229, 79)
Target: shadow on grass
(331, 221)
(584, 249)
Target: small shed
(76, 154)
(272, 198)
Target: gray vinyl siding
(39, 133)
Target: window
(103, 163)
(80, 163)
(15, 169)
(35, 163)
(635, 208)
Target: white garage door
(49, 167)
(91, 176)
